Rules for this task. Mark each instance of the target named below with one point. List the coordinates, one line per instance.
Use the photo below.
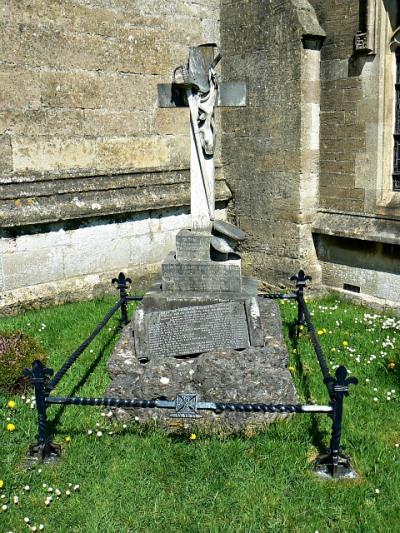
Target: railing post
(335, 464)
(44, 449)
(301, 282)
(122, 284)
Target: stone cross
(195, 86)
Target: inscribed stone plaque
(205, 276)
(191, 330)
(192, 246)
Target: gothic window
(396, 149)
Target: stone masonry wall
(357, 102)
(342, 128)
(82, 141)
(270, 148)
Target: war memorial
(202, 338)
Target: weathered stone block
(20, 88)
(41, 154)
(85, 256)
(203, 276)
(33, 267)
(6, 163)
(192, 246)
(173, 121)
(135, 153)
(72, 90)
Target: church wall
(357, 202)
(270, 148)
(90, 168)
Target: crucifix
(195, 86)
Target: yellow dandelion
(67, 438)
(301, 327)
(324, 330)
(345, 343)
(11, 404)
(294, 350)
(10, 427)
(320, 332)
(391, 365)
(291, 369)
(193, 436)
(1, 483)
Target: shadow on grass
(318, 436)
(53, 423)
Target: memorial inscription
(200, 276)
(196, 329)
(192, 246)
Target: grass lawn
(138, 479)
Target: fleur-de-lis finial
(342, 382)
(38, 373)
(301, 279)
(121, 282)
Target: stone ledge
(357, 227)
(69, 206)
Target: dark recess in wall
(357, 253)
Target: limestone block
(138, 224)
(50, 239)
(91, 255)
(118, 122)
(135, 153)
(71, 90)
(32, 267)
(175, 222)
(6, 163)
(129, 91)
(150, 248)
(70, 121)
(53, 47)
(179, 147)
(170, 121)
(98, 90)
(210, 30)
(178, 8)
(143, 50)
(6, 121)
(20, 88)
(139, 249)
(43, 154)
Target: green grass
(139, 479)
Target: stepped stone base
(253, 374)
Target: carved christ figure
(200, 81)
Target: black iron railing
(334, 463)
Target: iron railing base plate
(325, 468)
(44, 452)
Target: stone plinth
(204, 276)
(255, 374)
(192, 246)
